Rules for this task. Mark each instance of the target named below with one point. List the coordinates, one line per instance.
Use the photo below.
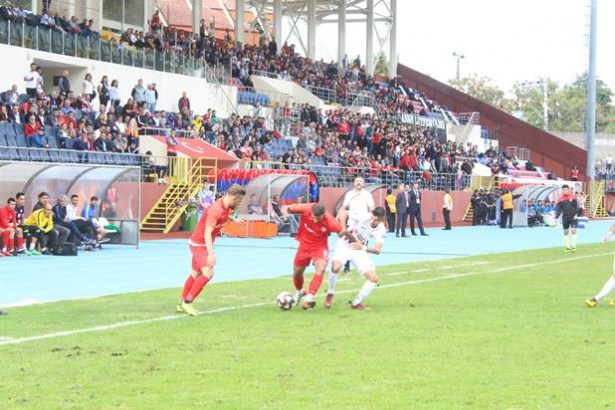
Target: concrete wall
(202, 94)
(299, 94)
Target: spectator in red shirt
(34, 133)
(10, 230)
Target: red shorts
(305, 255)
(199, 257)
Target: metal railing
(165, 131)
(339, 176)
(93, 47)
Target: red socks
(187, 286)
(298, 283)
(20, 243)
(315, 284)
(197, 287)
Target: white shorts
(360, 259)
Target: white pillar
(341, 33)
(277, 22)
(197, 15)
(393, 41)
(369, 46)
(239, 21)
(311, 26)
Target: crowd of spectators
(49, 19)
(369, 143)
(48, 228)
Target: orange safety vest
(507, 201)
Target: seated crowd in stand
(48, 227)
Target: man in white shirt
(354, 248)
(609, 163)
(84, 225)
(359, 204)
(31, 79)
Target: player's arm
(376, 249)
(342, 216)
(608, 235)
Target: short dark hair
(389, 191)
(74, 196)
(379, 212)
(42, 194)
(19, 195)
(565, 186)
(236, 190)
(10, 200)
(94, 198)
(318, 210)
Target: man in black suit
(401, 206)
(415, 209)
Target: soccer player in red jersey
(202, 245)
(314, 229)
(9, 229)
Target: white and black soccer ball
(285, 300)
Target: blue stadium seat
(22, 141)
(54, 155)
(10, 130)
(19, 129)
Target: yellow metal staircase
(594, 202)
(186, 179)
(479, 182)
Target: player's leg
(196, 281)
(607, 288)
(8, 241)
(566, 226)
(573, 236)
(366, 266)
(298, 279)
(21, 249)
(320, 265)
(339, 255)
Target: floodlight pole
(591, 91)
(458, 71)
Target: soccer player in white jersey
(359, 204)
(609, 286)
(357, 252)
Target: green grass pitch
(499, 331)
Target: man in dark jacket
(402, 203)
(415, 210)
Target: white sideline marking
(436, 269)
(254, 305)
(3, 339)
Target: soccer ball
(285, 300)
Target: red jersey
(8, 218)
(314, 235)
(214, 216)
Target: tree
(481, 88)
(382, 65)
(567, 105)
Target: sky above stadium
(507, 41)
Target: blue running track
(165, 264)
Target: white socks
(574, 240)
(366, 289)
(606, 289)
(332, 282)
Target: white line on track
(130, 323)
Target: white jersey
(359, 258)
(364, 232)
(359, 204)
